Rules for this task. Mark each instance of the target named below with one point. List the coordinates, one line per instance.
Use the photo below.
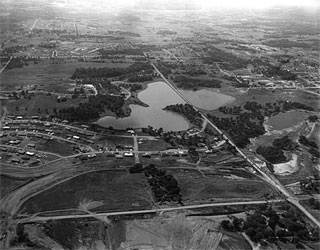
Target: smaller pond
(207, 99)
(286, 120)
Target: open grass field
(117, 190)
(233, 241)
(196, 188)
(112, 141)
(153, 145)
(7, 185)
(263, 96)
(39, 105)
(46, 74)
(55, 146)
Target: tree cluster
(132, 87)
(231, 62)
(92, 109)
(313, 118)
(164, 186)
(272, 154)
(313, 147)
(284, 143)
(195, 71)
(266, 225)
(140, 78)
(187, 111)
(186, 82)
(166, 32)
(241, 128)
(272, 71)
(246, 125)
(107, 53)
(304, 141)
(82, 73)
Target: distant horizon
(177, 4)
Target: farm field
(198, 188)
(40, 105)
(113, 190)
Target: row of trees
(106, 72)
(106, 53)
(164, 186)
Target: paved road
(35, 218)
(136, 149)
(4, 67)
(267, 177)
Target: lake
(158, 95)
(287, 120)
(207, 99)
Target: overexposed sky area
(204, 4)
(258, 3)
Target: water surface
(157, 95)
(207, 99)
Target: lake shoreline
(147, 107)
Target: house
(30, 153)
(128, 154)
(76, 137)
(15, 160)
(92, 155)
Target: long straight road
(37, 218)
(268, 178)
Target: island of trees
(164, 186)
